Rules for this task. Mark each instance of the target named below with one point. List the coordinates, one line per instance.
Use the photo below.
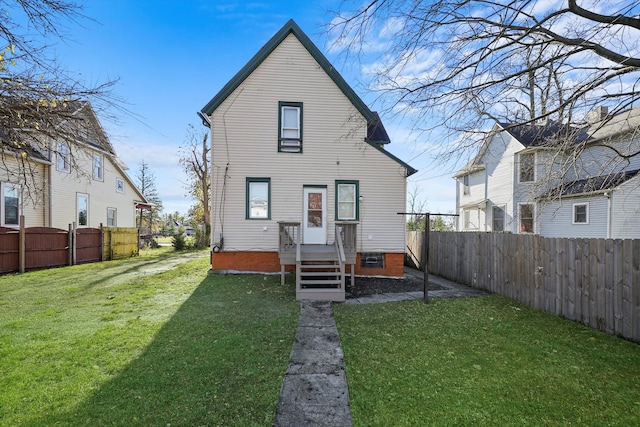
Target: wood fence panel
(46, 247)
(592, 281)
(9, 250)
(120, 242)
(88, 245)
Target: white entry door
(314, 224)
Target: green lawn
(483, 362)
(126, 343)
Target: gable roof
(289, 28)
(376, 133)
(593, 185)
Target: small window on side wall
(347, 194)
(258, 198)
(527, 167)
(98, 167)
(581, 213)
(526, 218)
(497, 214)
(10, 204)
(82, 208)
(290, 127)
(112, 217)
(465, 185)
(63, 157)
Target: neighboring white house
(291, 141)
(521, 181)
(80, 181)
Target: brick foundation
(268, 262)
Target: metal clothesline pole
(425, 244)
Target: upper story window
(347, 200)
(98, 167)
(527, 167)
(497, 218)
(581, 213)
(258, 198)
(10, 205)
(290, 128)
(465, 185)
(526, 218)
(63, 157)
(119, 185)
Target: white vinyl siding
(333, 149)
(556, 219)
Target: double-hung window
(98, 167)
(347, 195)
(526, 218)
(63, 158)
(290, 128)
(10, 205)
(465, 185)
(111, 217)
(527, 167)
(258, 198)
(580, 213)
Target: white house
(293, 144)
(524, 180)
(79, 181)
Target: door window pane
(314, 210)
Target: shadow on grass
(219, 360)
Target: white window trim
(93, 163)
(115, 217)
(504, 217)
(535, 158)
(63, 157)
(533, 218)
(78, 196)
(573, 213)
(3, 186)
(119, 186)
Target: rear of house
(293, 144)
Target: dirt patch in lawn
(383, 285)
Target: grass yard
(483, 362)
(133, 343)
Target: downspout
(609, 213)
(49, 201)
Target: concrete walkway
(314, 391)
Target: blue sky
(172, 57)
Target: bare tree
(146, 182)
(194, 158)
(39, 100)
(417, 205)
(453, 64)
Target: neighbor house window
(82, 209)
(466, 215)
(465, 185)
(581, 213)
(527, 167)
(98, 167)
(119, 185)
(347, 200)
(290, 129)
(63, 156)
(497, 215)
(111, 217)
(258, 198)
(10, 204)
(526, 218)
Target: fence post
(22, 246)
(74, 244)
(101, 243)
(70, 246)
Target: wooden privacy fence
(592, 281)
(44, 247)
